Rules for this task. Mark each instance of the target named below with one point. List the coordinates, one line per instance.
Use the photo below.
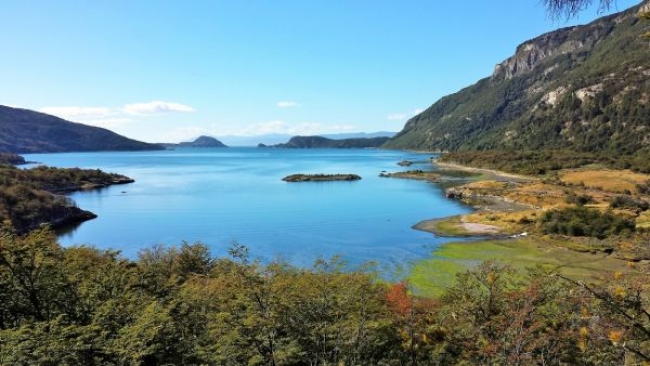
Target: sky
(171, 70)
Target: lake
(236, 195)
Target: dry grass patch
(538, 194)
(617, 181)
(508, 222)
(643, 220)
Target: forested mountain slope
(26, 131)
(583, 88)
(311, 142)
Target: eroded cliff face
(562, 41)
(584, 88)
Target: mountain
(26, 131)
(266, 139)
(583, 89)
(277, 138)
(358, 135)
(308, 142)
(203, 141)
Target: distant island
(271, 139)
(26, 131)
(201, 141)
(320, 177)
(310, 142)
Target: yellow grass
(538, 194)
(643, 221)
(617, 181)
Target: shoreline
(496, 174)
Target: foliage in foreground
(84, 306)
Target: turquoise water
(236, 195)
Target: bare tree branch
(570, 8)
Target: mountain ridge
(25, 131)
(309, 142)
(583, 88)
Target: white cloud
(281, 127)
(184, 134)
(417, 111)
(93, 116)
(287, 104)
(77, 113)
(396, 116)
(265, 128)
(155, 107)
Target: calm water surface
(222, 196)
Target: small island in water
(320, 177)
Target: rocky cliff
(584, 88)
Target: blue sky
(168, 71)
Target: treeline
(181, 306)
(539, 162)
(31, 197)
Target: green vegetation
(31, 197)
(25, 131)
(179, 305)
(526, 162)
(628, 202)
(320, 177)
(430, 176)
(431, 277)
(311, 142)
(568, 98)
(582, 221)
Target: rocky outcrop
(320, 177)
(562, 41)
(405, 163)
(592, 77)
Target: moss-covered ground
(431, 276)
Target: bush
(581, 221)
(629, 202)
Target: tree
(571, 8)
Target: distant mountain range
(274, 139)
(308, 142)
(583, 88)
(26, 131)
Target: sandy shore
(463, 228)
(489, 173)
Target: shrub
(581, 221)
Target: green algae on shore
(430, 277)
